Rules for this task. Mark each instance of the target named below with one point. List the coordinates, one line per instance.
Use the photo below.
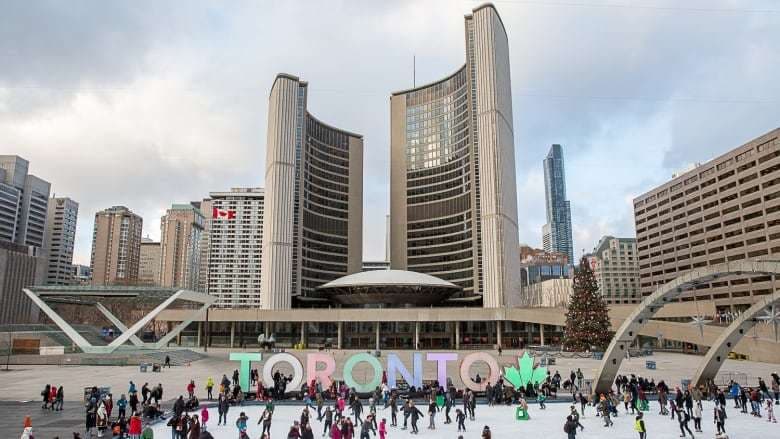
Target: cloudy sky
(148, 103)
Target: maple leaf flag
(226, 214)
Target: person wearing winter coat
(134, 428)
(222, 409)
(27, 431)
(194, 427)
(101, 419)
(204, 418)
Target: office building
(180, 234)
(537, 265)
(453, 197)
(82, 274)
(149, 263)
(616, 268)
(116, 247)
(234, 227)
(24, 200)
(21, 266)
(313, 231)
(60, 240)
(727, 209)
(556, 234)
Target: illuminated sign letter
(323, 375)
(363, 358)
(441, 360)
(396, 366)
(268, 367)
(473, 358)
(246, 358)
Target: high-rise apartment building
(116, 247)
(557, 234)
(616, 268)
(234, 230)
(60, 240)
(24, 200)
(82, 274)
(727, 209)
(180, 235)
(313, 231)
(453, 198)
(20, 266)
(149, 263)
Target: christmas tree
(587, 319)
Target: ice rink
(502, 424)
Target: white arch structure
(729, 338)
(625, 335)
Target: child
(204, 418)
(383, 429)
(461, 418)
(541, 399)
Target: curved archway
(729, 338)
(629, 329)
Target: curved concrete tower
(453, 202)
(312, 225)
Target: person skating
(204, 418)
(60, 398)
(720, 418)
(432, 414)
(45, 396)
(135, 425)
(697, 417)
(241, 423)
(167, 362)
(407, 412)
(383, 429)
(570, 428)
(415, 415)
(328, 416)
(209, 388)
(394, 411)
(460, 417)
(770, 411)
(486, 433)
(576, 417)
(121, 406)
(639, 426)
(541, 398)
(357, 410)
(683, 419)
(367, 427)
(194, 427)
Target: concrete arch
(729, 338)
(625, 335)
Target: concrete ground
(24, 383)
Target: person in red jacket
(191, 388)
(134, 429)
(52, 395)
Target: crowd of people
(345, 414)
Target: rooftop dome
(389, 287)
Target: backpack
(567, 428)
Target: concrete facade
(453, 203)
(20, 267)
(727, 209)
(149, 263)
(314, 199)
(234, 247)
(116, 247)
(616, 268)
(60, 238)
(180, 239)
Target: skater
(770, 411)
(328, 416)
(265, 418)
(432, 414)
(209, 388)
(204, 418)
(407, 412)
(383, 429)
(415, 414)
(541, 399)
(367, 427)
(27, 432)
(639, 426)
(241, 424)
(720, 418)
(393, 411)
(697, 417)
(460, 417)
(167, 362)
(570, 428)
(683, 419)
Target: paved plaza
(22, 384)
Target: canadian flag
(219, 213)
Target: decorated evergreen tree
(587, 319)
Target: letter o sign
(283, 358)
(470, 359)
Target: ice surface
(501, 421)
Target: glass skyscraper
(556, 234)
